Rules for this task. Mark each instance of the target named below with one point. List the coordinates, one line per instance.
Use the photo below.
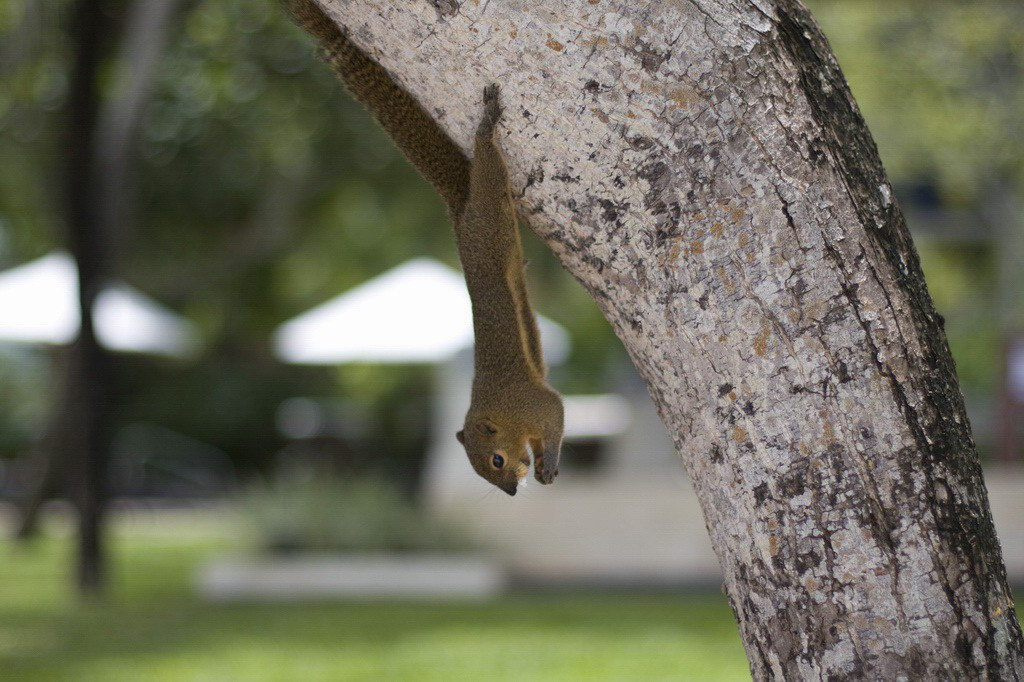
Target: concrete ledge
(319, 577)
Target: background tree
(704, 172)
(76, 447)
(89, 376)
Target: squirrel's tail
(413, 131)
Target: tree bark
(702, 169)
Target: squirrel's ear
(461, 436)
(486, 427)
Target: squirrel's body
(512, 405)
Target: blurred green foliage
(24, 376)
(261, 190)
(941, 85)
(961, 281)
(314, 511)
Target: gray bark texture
(702, 169)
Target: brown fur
(512, 405)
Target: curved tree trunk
(700, 166)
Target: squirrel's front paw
(492, 106)
(545, 468)
(491, 93)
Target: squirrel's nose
(511, 491)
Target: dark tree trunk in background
(99, 195)
(89, 381)
(702, 169)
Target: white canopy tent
(419, 312)
(39, 305)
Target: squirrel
(513, 409)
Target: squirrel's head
(498, 454)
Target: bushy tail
(413, 131)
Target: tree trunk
(88, 387)
(701, 167)
(98, 197)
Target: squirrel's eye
(498, 461)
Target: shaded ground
(153, 628)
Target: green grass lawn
(152, 627)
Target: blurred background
(235, 349)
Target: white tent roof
(417, 312)
(39, 304)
